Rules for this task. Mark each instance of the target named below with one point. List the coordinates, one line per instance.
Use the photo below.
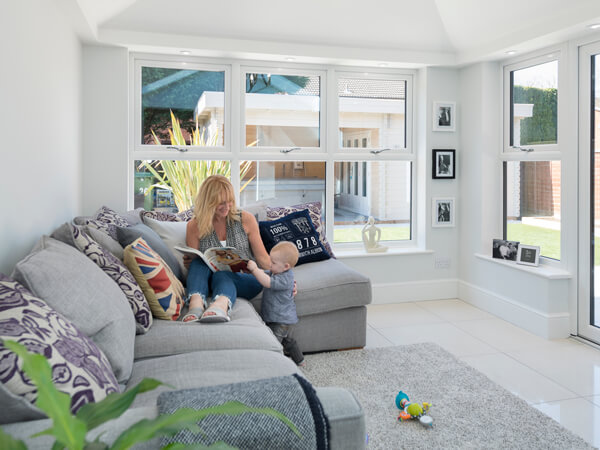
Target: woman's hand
(187, 260)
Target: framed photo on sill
(528, 255)
(443, 164)
(503, 249)
(443, 212)
(444, 116)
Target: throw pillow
(314, 209)
(127, 235)
(298, 228)
(79, 368)
(163, 216)
(172, 234)
(105, 241)
(162, 289)
(111, 266)
(79, 290)
(107, 220)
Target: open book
(218, 258)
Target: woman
(217, 222)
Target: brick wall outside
(540, 188)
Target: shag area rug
(468, 409)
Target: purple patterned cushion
(107, 220)
(79, 368)
(314, 210)
(183, 216)
(119, 273)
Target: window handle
(377, 152)
(179, 149)
(523, 149)
(287, 150)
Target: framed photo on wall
(443, 164)
(444, 116)
(443, 212)
(528, 255)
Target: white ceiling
(395, 32)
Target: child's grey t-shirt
(277, 301)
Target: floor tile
(445, 335)
(578, 415)
(375, 339)
(454, 310)
(399, 314)
(518, 378)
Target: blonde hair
(213, 191)
(288, 251)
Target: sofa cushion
(78, 289)
(163, 216)
(105, 241)
(79, 368)
(327, 286)
(172, 233)
(127, 235)
(314, 210)
(162, 289)
(104, 219)
(245, 331)
(208, 368)
(297, 228)
(111, 266)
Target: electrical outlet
(442, 262)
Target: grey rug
(468, 409)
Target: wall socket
(442, 262)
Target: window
(532, 155)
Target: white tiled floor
(560, 377)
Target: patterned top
(236, 237)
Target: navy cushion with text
(298, 228)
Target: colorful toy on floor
(410, 410)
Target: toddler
(278, 309)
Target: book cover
(218, 258)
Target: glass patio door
(589, 193)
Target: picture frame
(444, 116)
(443, 164)
(506, 250)
(443, 212)
(528, 255)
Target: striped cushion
(162, 289)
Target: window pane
(279, 183)
(386, 196)
(172, 185)
(372, 113)
(534, 101)
(282, 110)
(196, 99)
(533, 204)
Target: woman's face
(223, 208)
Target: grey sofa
(331, 304)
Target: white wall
(40, 125)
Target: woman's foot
(218, 311)
(196, 309)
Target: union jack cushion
(162, 289)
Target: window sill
(361, 253)
(544, 271)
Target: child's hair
(288, 251)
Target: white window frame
(548, 152)
(235, 150)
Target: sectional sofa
(62, 287)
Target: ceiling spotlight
(594, 26)
(289, 58)
(185, 52)
(511, 52)
(382, 64)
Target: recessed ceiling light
(185, 52)
(289, 58)
(594, 26)
(382, 64)
(511, 52)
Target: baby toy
(409, 410)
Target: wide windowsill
(359, 252)
(544, 271)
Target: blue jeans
(201, 280)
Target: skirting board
(414, 291)
(549, 326)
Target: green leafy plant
(70, 431)
(184, 177)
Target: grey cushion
(16, 408)
(328, 286)
(73, 285)
(172, 234)
(105, 241)
(208, 368)
(127, 235)
(346, 418)
(245, 331)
